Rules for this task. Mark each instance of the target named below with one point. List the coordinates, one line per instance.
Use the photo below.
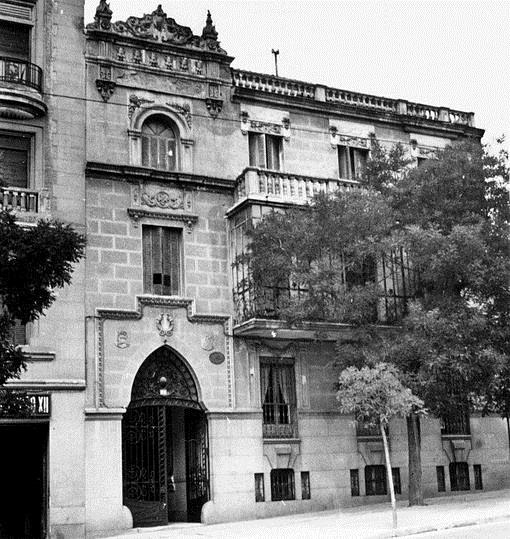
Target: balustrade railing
(284, 187)
(18, 199)
(273, 85)
(20, 72)
(294, 88)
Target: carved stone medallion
(165, 325)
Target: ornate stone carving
(136, 102)
(197, 67)
(105, 72)
(103, 16)
(165, 325)
(122, 339)
(265, 127)
(207, 342)
(121, 54)
(170, 62)
(214, 106)
(156, 26)
(214, 90)
(172, 198)
(153, 59)
(137, 56)
(185, 110)
(184, 64)
(105, 88)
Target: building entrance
(164, 444)
(23, 450)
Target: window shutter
(147, 259)
(14, 40)
(273, 145)
(18, 333)
(343, 162)
(16, 11)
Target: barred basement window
(354, 482)
(459, 476)
(477, 469)
(305, 486)
(375, 480)
(441, 483)
(260, 495)
(161, 260)
(351, 162)
(397, 485)
(282, 484)
(278, 395)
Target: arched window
(159, 144)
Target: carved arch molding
(164, 379)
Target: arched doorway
(164, 444)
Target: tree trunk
(389, 475)
(414, 452)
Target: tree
(375, 395)
(34, 261)
(451, 219)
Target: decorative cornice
(188, 219)
(163, 301)
(156, 27)
(109, 171)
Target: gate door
(144, 448)
(197, 464)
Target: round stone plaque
(217, 358)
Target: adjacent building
(164, 390)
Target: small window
(260, 495)
(14, 160)
(397, 485)
(282, 484)
(477, 469)
(354, 482)
(420, 161)
(441, 483)
(375, 480)
(18, 333)
(278, 395)
(159, 144)
(161, 260)
(459, 476)
(265, 151)
(305, 486)
(351, 162)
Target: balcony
(20, 89)
(358, 102)
(263, 185)
(27, 204)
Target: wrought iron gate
(197, 464)
(145, 457)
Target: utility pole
(276, 53)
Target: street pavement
(441, 516)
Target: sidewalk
(366, 522)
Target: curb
(404, 532)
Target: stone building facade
(172, 396)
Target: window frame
(259, 152)
(347, 164)
(146, 157)
(376, 483)
(278, 493)
(148, 243)
(279, 419)
(28, 143)
(459, 471)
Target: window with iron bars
(282, 484)
(278, 396)
(456, 424)
(459, 476)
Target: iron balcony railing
(19, 200)
(456, 425)
(20, 72)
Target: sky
(452, 53)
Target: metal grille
(20, 72)
(260, 495)
(306, 492)
(477, 469)
(456, 424)
(282, 484)
(459, 476)
(375, 480)
(354, 482)
(441, 483)
(144, 460)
